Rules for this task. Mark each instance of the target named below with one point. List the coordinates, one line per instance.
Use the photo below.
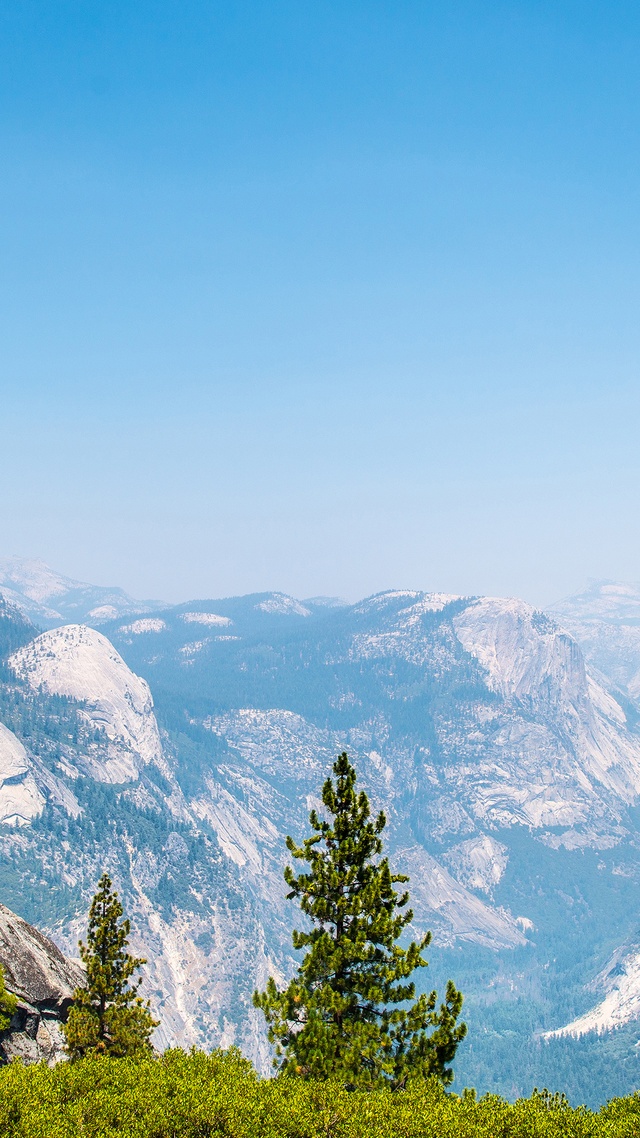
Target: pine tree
(348, 1011)
(108, 1017)
(8, 1004)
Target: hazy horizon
(322, 299)
(586, 584)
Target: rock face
(605, 620)
(580, 760)
(94, 756)
(80, 663)
(619, 980)
(20, 798)
(43, 980)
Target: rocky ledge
(43, 981)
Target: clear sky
(321, 297)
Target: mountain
(177, 749)
(79, 663)
(605, 620)
(50, 599)
(80, 731)
(452, 684)
(620, 982)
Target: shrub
(194, 1095)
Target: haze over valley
(177, 745)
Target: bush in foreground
(220, 1096)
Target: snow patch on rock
(210, 618)
(146, 624)
(280, 604)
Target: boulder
(43, 980)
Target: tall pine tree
(108, 1017)
(351, 1010)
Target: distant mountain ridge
(50, 599)
(605, 620)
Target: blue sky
(324, 297)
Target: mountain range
(178, 745)
(50, 599)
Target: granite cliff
(43, 981)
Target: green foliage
(108, 1017)
(346, 1013)
(220, 1096)
(8, 1004)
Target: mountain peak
(614, 601)
(49, 598)
(80, 663)
(34, 579)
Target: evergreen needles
(8, 1004)
(348, 1012)
(108, 1017)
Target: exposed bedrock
(43, 980)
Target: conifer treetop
(108, 965)
(108, 1016)
(348, 1010)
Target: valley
(178, 745)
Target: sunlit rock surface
(80, 663)
(43, 980)
(20, 798)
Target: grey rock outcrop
(43, 981)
